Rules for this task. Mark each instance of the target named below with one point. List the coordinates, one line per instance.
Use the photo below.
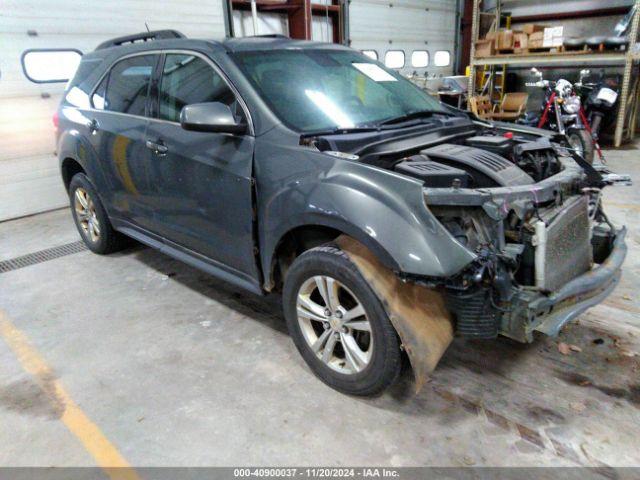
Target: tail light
(56, 120)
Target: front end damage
(545, 252)
(524, 207)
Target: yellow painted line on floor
(94, 441)
(626, 206)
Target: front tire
(91, 218)
(338, 323)
(581, 140)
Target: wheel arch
(69, 167)
(305, 236)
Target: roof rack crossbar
(141, 37)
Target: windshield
(314, 90)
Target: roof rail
(141, 37)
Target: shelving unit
(580, 58)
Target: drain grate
(42, 256)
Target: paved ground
(166, 366)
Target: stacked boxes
(530, 37)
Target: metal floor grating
(42, 256)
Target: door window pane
(420, 58)
(128, 86)
(188, 79)
(394, 59)
(442, 58)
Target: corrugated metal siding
(29, 178)
(407, 25)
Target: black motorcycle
(600, 99)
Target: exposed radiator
(563, 248)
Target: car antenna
(147, 26)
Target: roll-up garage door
(418, 34)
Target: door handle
(157, 147)
(92, 125)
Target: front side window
(188, 79)
(312, 90)
(128, 85)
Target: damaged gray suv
(387, 221)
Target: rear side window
(188, 79)
(128, 85)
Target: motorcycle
(601, 101)
(562, 111)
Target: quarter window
(394, 59)
(128, 86)
(420, 59)
(188, 79)
(442, 58)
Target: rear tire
(358, 350)
(581, 139)
(91, 218)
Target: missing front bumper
(549, 313)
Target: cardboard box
(530, 28)
(553, 37)
(485, 48)
(520, 41)
(536, 40)
(504, 40)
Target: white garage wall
(407, 25)
(29, 177)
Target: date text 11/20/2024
(369, 472)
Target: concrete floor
(176, 368)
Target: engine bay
(483, 161)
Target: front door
(202, 181)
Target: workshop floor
(135, 357)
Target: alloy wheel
(334, 324)
(86, 214)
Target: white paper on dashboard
(374, 72)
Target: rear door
(202, 181)
(118, 124)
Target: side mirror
(210, 117)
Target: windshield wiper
(414, 116)
(339, 131)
